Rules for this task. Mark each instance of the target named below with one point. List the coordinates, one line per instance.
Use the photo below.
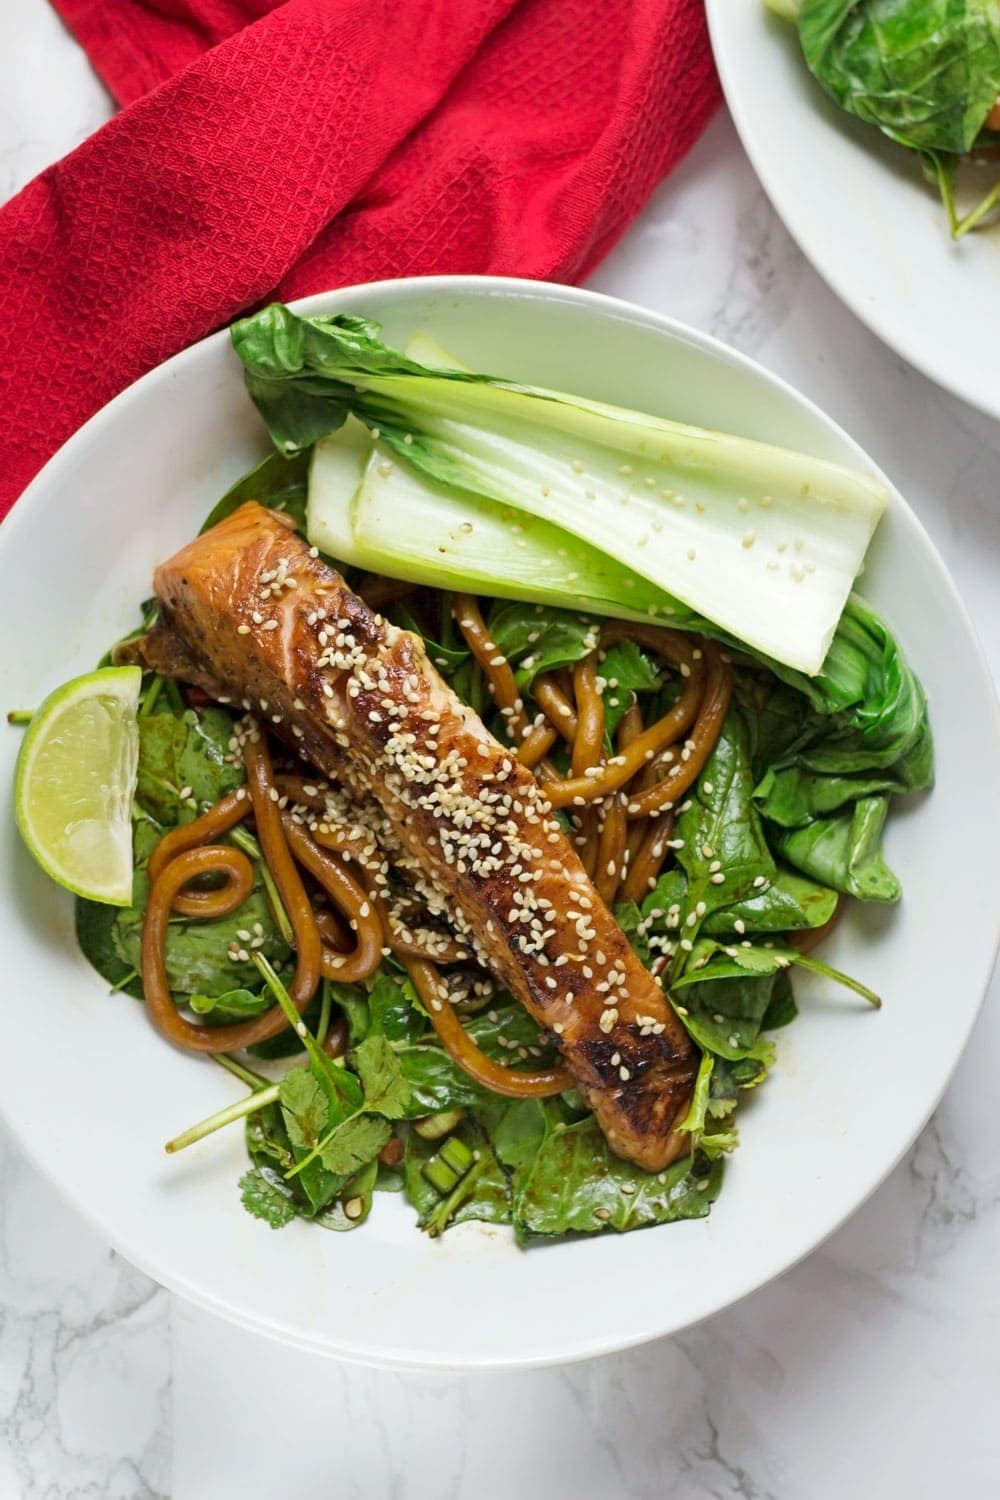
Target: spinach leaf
(652, 925)
(389, 1179)
(483, 1194)
(354, 1003)
(355, 1196)
(434, 1081)
(196, 952)
(728, 1078)
(519, 1132)
(723, 996)
(504, 1031)
(844, 851)
(95, 933)
(574, 1184)
(791, 796)
(232, 1005)
(394, 1009)
(788, 904)
(721, 829)
(778, 720)
(177, 751)
(782, 1009)
(926, 72)
(536, 638)
(278, 482)
(628, 915)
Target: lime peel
(75, 780)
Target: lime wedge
(74, 782)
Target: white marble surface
(873, 1366)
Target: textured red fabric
(291, 147)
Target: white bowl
(93, 1092)
(860, 210)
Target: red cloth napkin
(272, 148)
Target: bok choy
(763, 542)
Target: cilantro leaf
(355, 1143)
(305, 1106)
(263, 1198)
(626, 670)
(386, 1090)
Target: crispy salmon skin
(253, 614)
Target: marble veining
(84, 1355)
(872, 1367)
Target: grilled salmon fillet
(252, 613)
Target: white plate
(93, 1092)
(860, 209)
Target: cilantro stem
(943, 177)
(248, 1105)
(245, 1075)
(324, 1011)
(127, 979)
(20, 715)
(320, 1061)
(980, 211)
(249, 845)
(150, 696)
(816, 966)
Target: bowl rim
(619, 309)
(867, 310)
